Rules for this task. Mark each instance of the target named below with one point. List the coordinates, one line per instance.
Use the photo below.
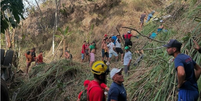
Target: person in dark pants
(117, 91)
(188, 72)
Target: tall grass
(49, 82)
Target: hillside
(153, 79)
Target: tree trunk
(7, 36)
(55, 28)
(64, 47)
(13, 39)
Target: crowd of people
(111, 46)
(187, 71)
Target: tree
(11, 12)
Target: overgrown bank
(153, 79)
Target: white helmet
(129, 32)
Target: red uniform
(95, 92)
(80, 94)
(129, 36)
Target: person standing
(118, 47)
(94, 90)
(127, 39)
(114, 38)
(117, 91)
(83, 50)
(104, 50)
(142, 17)
(87, 51)
(92, 57)
(111, 50)
(188, 72)
(127, 60)
(30, 57)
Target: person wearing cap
(117, 91)
(94, 89)
(188, 72)
(30, 57)
(127, 60)
(86, 82)
(150, 15)
(127, 38)
(197, 47)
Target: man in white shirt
(111, 50)
(127, 60)
(118, 47)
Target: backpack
(84, 96)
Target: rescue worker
(94, 90)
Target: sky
(32, 3)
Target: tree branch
(153, 48)
(120, 35)
(145, 35)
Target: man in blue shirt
(117, 91)
(188, 72)
(150, 16)
(114, 38)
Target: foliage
(11, 11)
(48, 82)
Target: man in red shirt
(94, 90)
(127, 38)
(83, 50)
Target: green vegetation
(11, 11)
(152, 80)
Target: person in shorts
(104, 50)
(111, 50)
(118, 47)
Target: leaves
(11, 11)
